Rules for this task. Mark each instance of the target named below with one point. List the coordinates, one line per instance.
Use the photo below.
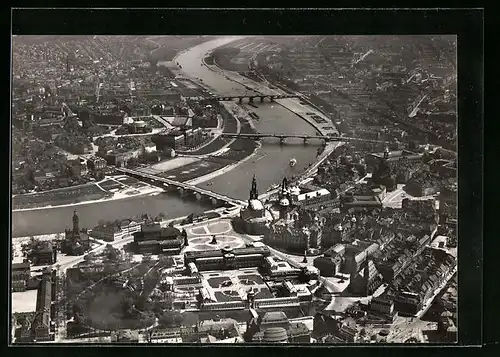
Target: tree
(127, 305)
(111, 252)
(170, 319)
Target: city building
(41, 325)
(299, 290)
(107, 118)
(448, 196)
(152, 238)
(76, 241)
(125, 336)
(347, 332)
(227, 258)
(360, 203)
(414, 286)
(20, 275)
(317, 197)
(295, 229)
(179, 139)
(112, 231)
(277, 269)
(287, 236)
(367, 280)
(275, 327)
(96, 163)
(325, 324)
(372, 160)
(219, 331)
(447, 327)
(120, 157)
(43, 253)
(348, 259)
(382, 305)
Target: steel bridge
(181, 187)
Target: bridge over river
(282, 137)
(251, 98)
(182, 187)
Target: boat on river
(293, 162)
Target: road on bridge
(182, 185)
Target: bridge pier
(250, 99)
(197, 195)
(181, 191)
(240, 100)
(261, 99)
(305, 141)
(282, 141)
(272, 99)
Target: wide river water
(270, 163)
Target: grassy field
(215, 282)
(227, 296)
(192, 171)
(59, 197)
(111, 184)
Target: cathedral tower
(254, 193)
(76, 220)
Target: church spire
(76, 220)
(254, 193)
(284, 187)
(386, 153)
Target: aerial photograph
(234, 189)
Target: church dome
(275, 335)
(284, 202)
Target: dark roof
(170, 232)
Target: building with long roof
(152, 238)
(41, 323)
(227, 258)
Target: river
(270, 164)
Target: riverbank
(137, 192)
(307, 113)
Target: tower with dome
(254, 217)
